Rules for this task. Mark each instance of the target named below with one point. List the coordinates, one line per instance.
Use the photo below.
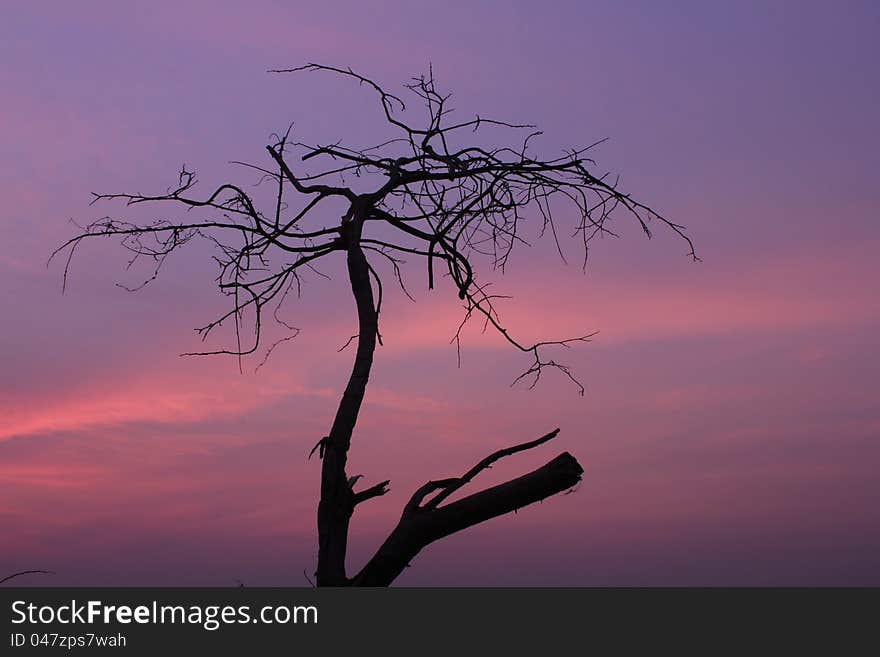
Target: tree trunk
(337, 498)
(420, 524)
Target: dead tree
(428, 191)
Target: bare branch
(485, 464)
(26, 572)
(373, 491)
(420, 526)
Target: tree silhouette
(429, 190)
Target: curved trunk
(337, 498)
(422, 522)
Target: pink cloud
(153, 398)
(788, 292)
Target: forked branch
(423, 523)
(485, 464)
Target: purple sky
(731, 427)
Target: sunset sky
(730, 430)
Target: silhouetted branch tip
(455, 484)
(26, 572)
(320, 446)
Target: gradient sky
(731, 427)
